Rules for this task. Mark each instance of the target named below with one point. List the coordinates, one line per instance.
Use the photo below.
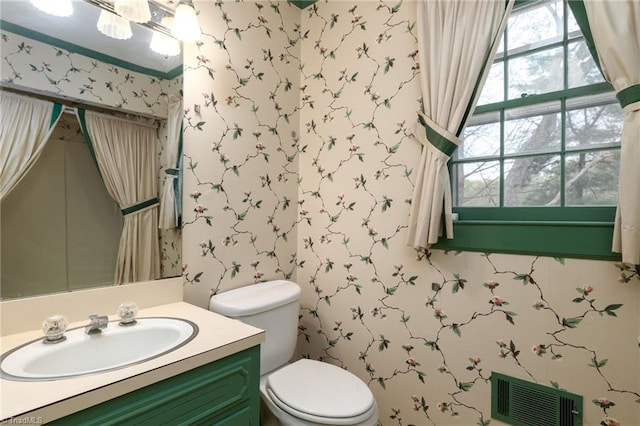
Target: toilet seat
(319, 392)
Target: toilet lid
(320, 389)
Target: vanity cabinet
(224, 392)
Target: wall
(241, 150)
(37, 66)
(423, 330)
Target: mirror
(68, 59)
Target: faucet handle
(54, 327)
(127, 312)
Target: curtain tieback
(629, 95)
(152, 202)
(439, 137)
(174, 172)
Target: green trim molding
(584, 233)
(74, 48)
(302, 3)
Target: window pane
(480, 141)
(477, 184)
(539, 133)
(593, 126)
(540, 72)
(535, 25)
(582, 69)
(493, 89)
(532, 181)
(592, 178)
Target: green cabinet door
(224, 392)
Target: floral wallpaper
(33, 65)
(241, 147)
(36, 65)
(300, 165)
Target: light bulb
(133, 10)
(185, 23)
(162, 43)
(114, 26)
(61, 8)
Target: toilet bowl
(309, 392)
(305, 392)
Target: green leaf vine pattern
(349, 132)
(247, 66)
(318, 190)
(48, 68)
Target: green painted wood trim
(439, 141)
(629, 95)
(522, 3)
(210, 394)
(538, 214)
(302, 3)
(594, 89)
(140, 206)
(74, 48)
(582, 240)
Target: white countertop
(217, 338)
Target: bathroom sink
(81, 354)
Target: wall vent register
(522, 403)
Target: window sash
(558, 102)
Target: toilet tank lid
(256, 298)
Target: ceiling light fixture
(133, 10)
(162, 43)
(185, 23)
(114, 26)
(61, 8)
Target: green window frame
(562, 230)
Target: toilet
(305, 392)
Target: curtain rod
(71, 104)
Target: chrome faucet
(97, 324)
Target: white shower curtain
(25, 127)
(126, 155)
(457, 40)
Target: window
(538, 169)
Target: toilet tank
(272, 306)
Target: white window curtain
(170, 202)
(25, 127)
(615, 26)
(457, 40)
(126, 155)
